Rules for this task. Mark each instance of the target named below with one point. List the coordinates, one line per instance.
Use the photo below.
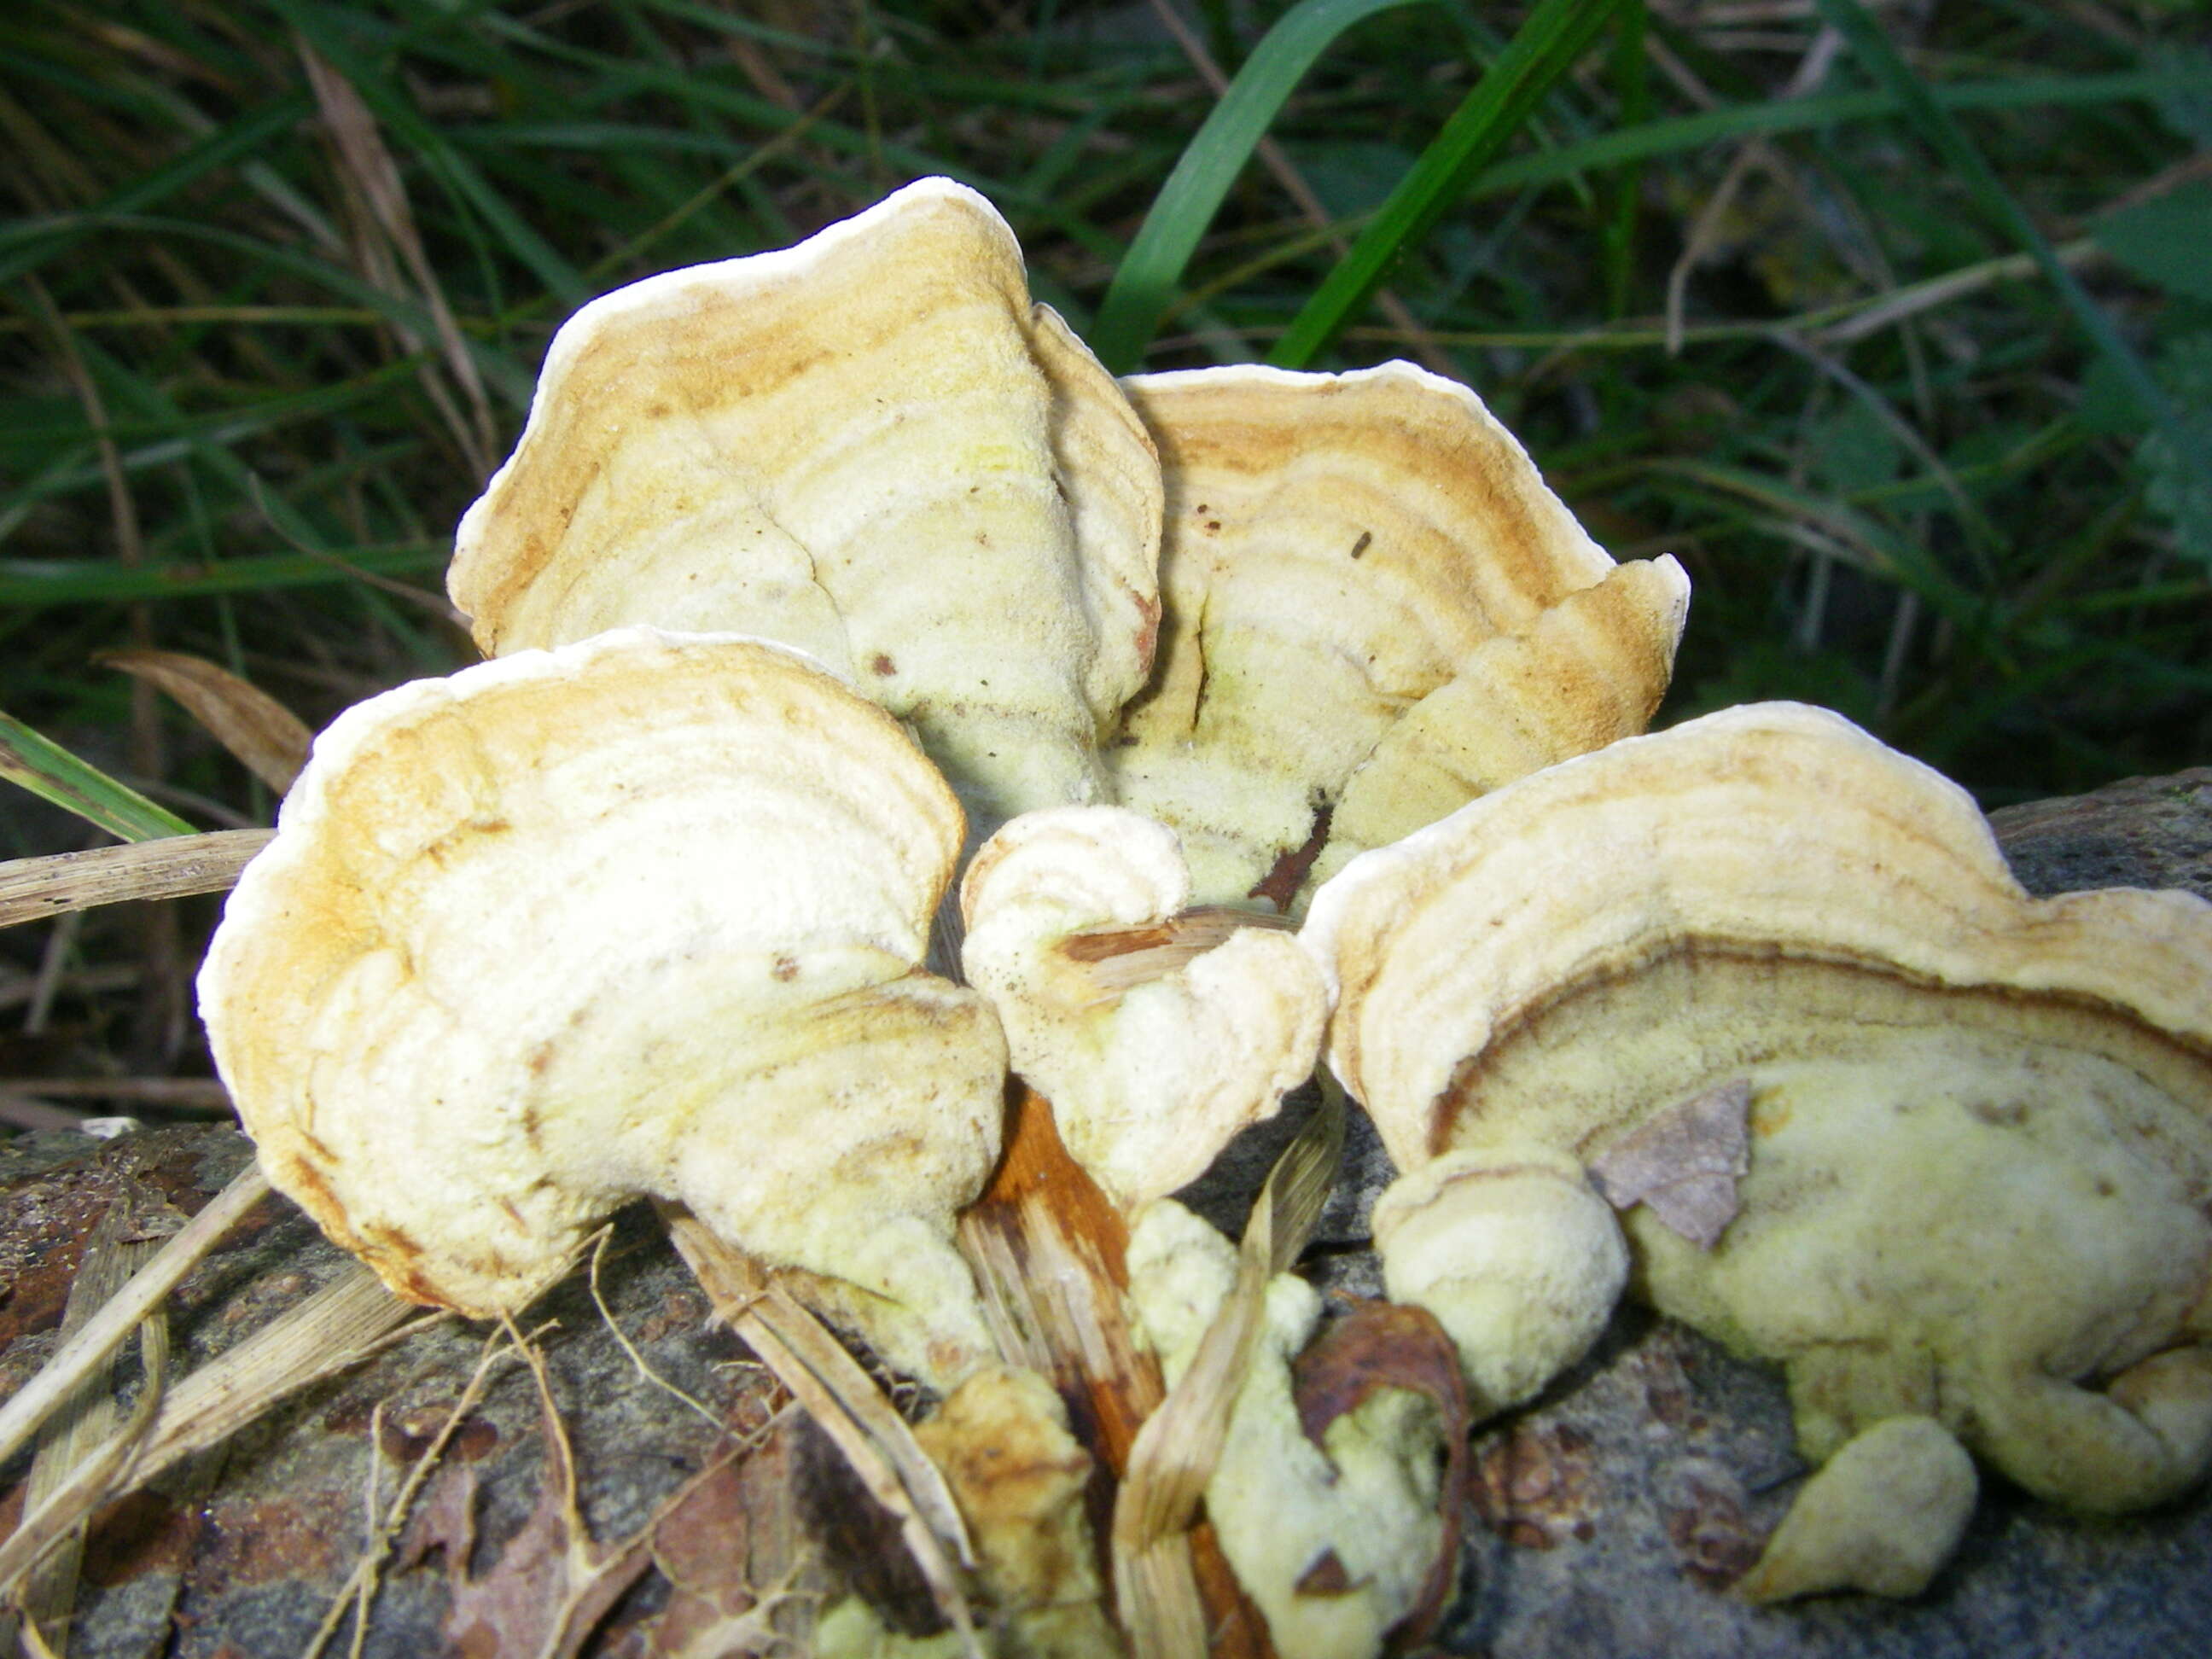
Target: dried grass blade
(342, 1324)
(88, 1482)
(845, 1402)
(1180, 1444)
(268, 738)
(35, 890)
(1048, 1250)
(82, 1354)
(1122, 958)
(367, 160)
(87, 1420)
(176, 1094)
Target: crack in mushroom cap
(1981, 1164)
(1156, 1033)
(640, 916)
(1376, 607)
(872, 446)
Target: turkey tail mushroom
(872, 446)
(1375, 610)
(1977, 1127)
(642, 915)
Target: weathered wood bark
(1603, 1521)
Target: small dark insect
(1366, 538)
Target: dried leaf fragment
(260, 732)
(552, 1583)
(1683, 1163)
(1382, 1346)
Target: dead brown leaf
(270, 739)
(741, 1576)
(552, 1583)
(1683, 1163)
(1383, 1345)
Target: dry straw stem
(360, 1587)
(95, 1480)
(35, 890)
(343, 1323)
(268, 737)
(173, 1094)
(82, 1354)
(845, 1403)
(368, 166)
(1178, 1447)
(85, 1423)
(621, 1338)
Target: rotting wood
(37, 1400)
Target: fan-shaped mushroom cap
(1981, 1124)
(871, 446)
(1375, 605)
(641, 915)
(1157, 1033)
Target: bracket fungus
(1978, 1187)
(1375, 610)
(641, 915)
(872, 446)
(1157, 1032)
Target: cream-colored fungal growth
(1156, 1033)
(640, 916)
(872, 446)
(1284, 1509)
(1020, 1478)
(1883, 1516)
(1375, 608)
(1980, 1176)
(1524, 1257)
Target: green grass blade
(25, 584)
(1545, 46)
(1145, 281)
(1632, 86)
(1678, 135)
(1950, 140)
(321, 26)
(48, 770)
(242, 137)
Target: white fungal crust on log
(641, 915)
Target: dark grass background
(1765, 283)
